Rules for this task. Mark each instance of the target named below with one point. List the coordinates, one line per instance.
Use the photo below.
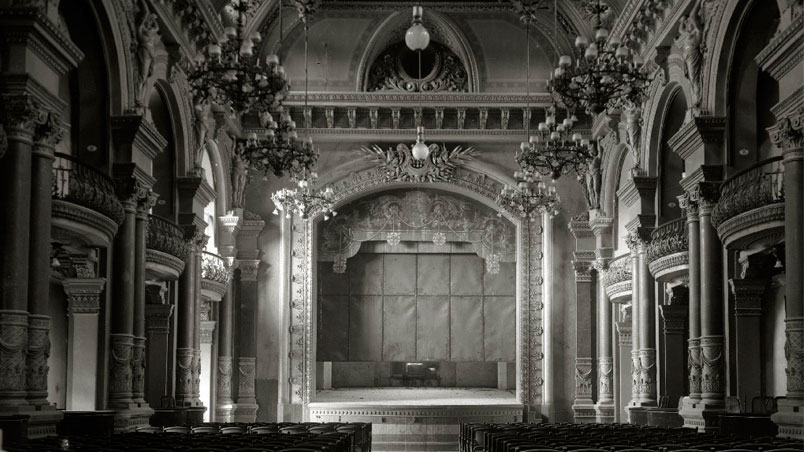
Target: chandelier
(530, 197)
(299, 156)
(280, 150)
(555, 150)
(228, 71)
(305, 200)
(605, 73)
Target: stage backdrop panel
(416, 307)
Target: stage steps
(414, 428)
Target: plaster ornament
(147, 37)
(690, 40)
(240, 176)
(400, 165)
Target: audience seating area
(213, 437)
(562, 437)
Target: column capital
(674, 318)
(689, 202)
(19, 114)
(248, 269)
(48, 132)
(748, 295)
(83, 294)
(788, 135)
(194, 228)
(157, 317)
(132, 183)
(207, 329)
(624, 333)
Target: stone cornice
(445, 100)
(24, 84)
(636, 188)
(697, 132)
(788, 106)
(704, 173)
(785, 51)
(139, 134)
(579, 226)
(32, 28)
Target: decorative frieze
(138, 369)
(624, 333)
(647, 375)
(712, 377)
(207, 331)
(184, 376)
(224, 408)
(748, 295)
(157, 317)
(120, 383)
(674, 318)
(605, 370)
(400, 166)
(83, 294)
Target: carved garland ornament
(400, 166)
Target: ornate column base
(583, 406)
(712, 378)
(184, 377)
(246, 410)
(224, 405)
(694, 368)
(196, 375)
(13, 355)
(129, 414)
(38, 353)
(633, 405)
(605, 409)
(138, 370)
(647, 377)
(790, 414)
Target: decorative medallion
(398, 69)
(400, 166)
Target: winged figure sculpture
(400, 166)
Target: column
(632, 241)
(206, 330)
(712, 361)
(583, 406)
(790, 137)
(138, 351)
(19, 114)
(674, 331)
(47, 133)
(748, 295)
(605, 408)
(224, 408)
(158, 375)
(83, 306)
(548, 407)
(246, 410)
(690, 203)
(186, 312)
(647, 333)
(625, 391)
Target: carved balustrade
(617, 278)
(668, 251)
(85, 206)
(215, 275)
(166, 249)
(751, 206)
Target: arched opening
(751, 92)
(86, 91)
(671, 166)
(164, 164)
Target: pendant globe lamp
(417, 38)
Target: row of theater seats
(560, 437)
(235, 437)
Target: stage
(415, 419)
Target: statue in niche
(593, 178)
(239, 180)
(201, 126)
(633, 130)
(147, 37)
(690, 40)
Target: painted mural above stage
(415, 215)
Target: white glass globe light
(417, 36)
(420, 150)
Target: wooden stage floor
(413, 397)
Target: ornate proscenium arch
(302, 255)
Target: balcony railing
(80, 184)
(213, 268)
(165, 236)
(667, 239)
(619, 271)
(754, 187)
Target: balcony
(85, 208)
(215, 276)
(165, 249)
(668, 252)
(617, 278)
(750, 209)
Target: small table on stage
(747, 425)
